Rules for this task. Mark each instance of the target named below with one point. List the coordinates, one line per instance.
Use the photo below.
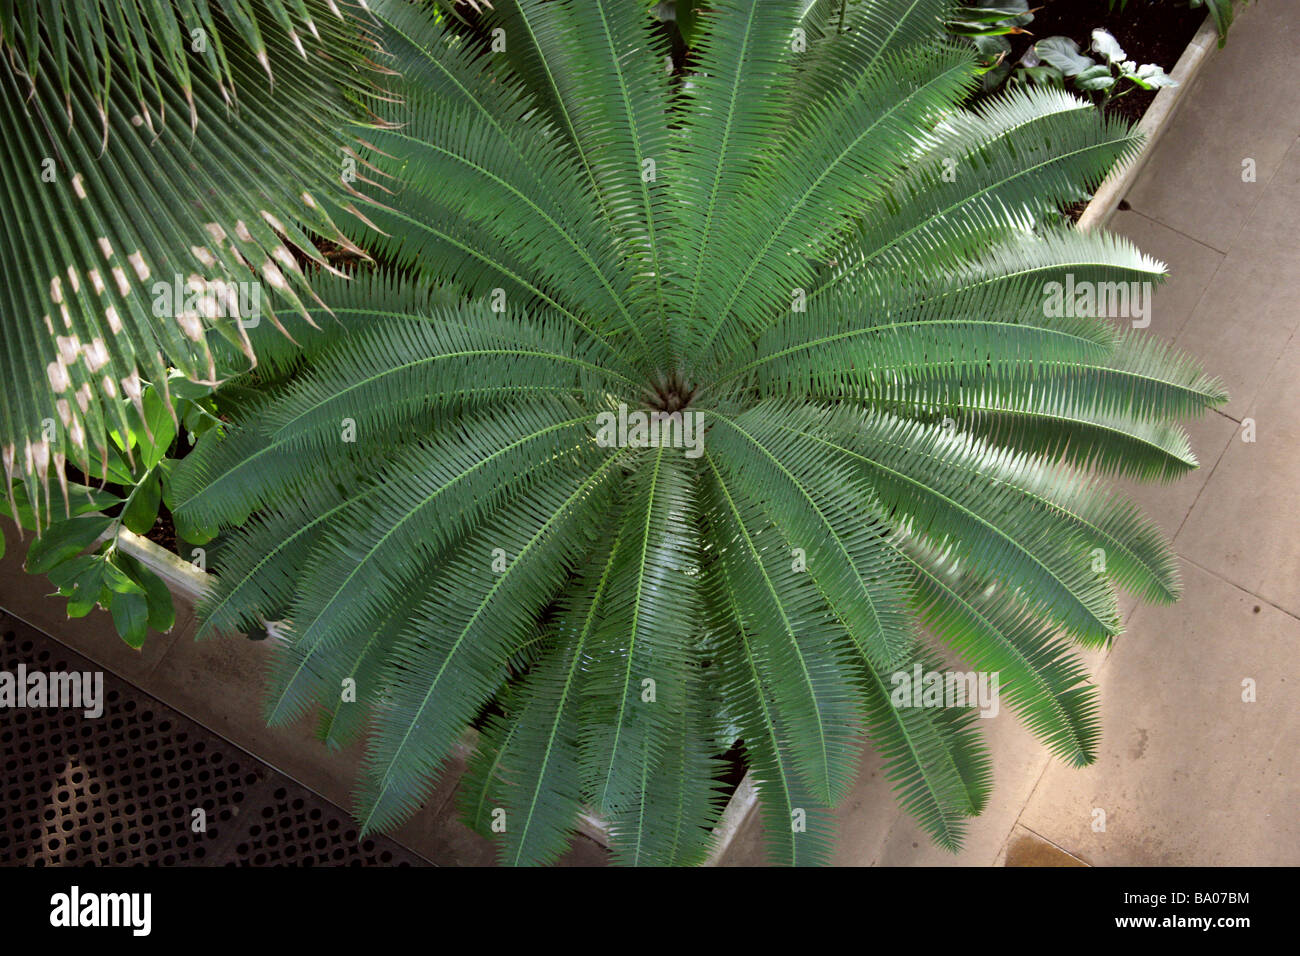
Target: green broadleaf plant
(78, 549)
(1115, 77)
(807, 250)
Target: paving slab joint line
(1000, 852)
(1196, 501)
(1053, 843)
(1164, 225)
(1240, 587)
(1029, 797)
(1209, 473)
(1241, 10)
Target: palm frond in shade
(166, 166)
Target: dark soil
(1150, 31)
(163, 532)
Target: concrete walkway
(1187, 772)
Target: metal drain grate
(122, 789)
(304, 830)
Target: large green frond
(952, 488)
(450, 657)
(799, 238)
(641, 661)
(840, 165)
(791, 640)
(1043, 681)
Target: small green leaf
(161, 428)
(992, 47)
(142, 512)
(193, 416)
(78, 609)
(130, 612)
(121, 441)
(162, 612)
(63, 540)
(82, 500)
(200, 418)
(82, 582)
(64, 576)
(1046, 75)
(191, 532)
(1063, 53)
(993, 76)
(991, 12)
(117, 470)
(118, 581)
(1096, 78)
(182, 388)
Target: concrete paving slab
(1026, 848)
(1191, 264)
(1289, 173)
(747, 848)
(1250, 311)
(1168, 504)
(873, 831)
(1241, 108)
(1188, 773)
(1246, 524)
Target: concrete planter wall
(187, 581)
(1152, 126)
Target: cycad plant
(702, 403)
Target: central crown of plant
(697, 405)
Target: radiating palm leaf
(150, 149)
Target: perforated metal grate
(123, 788)
(301, 829)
